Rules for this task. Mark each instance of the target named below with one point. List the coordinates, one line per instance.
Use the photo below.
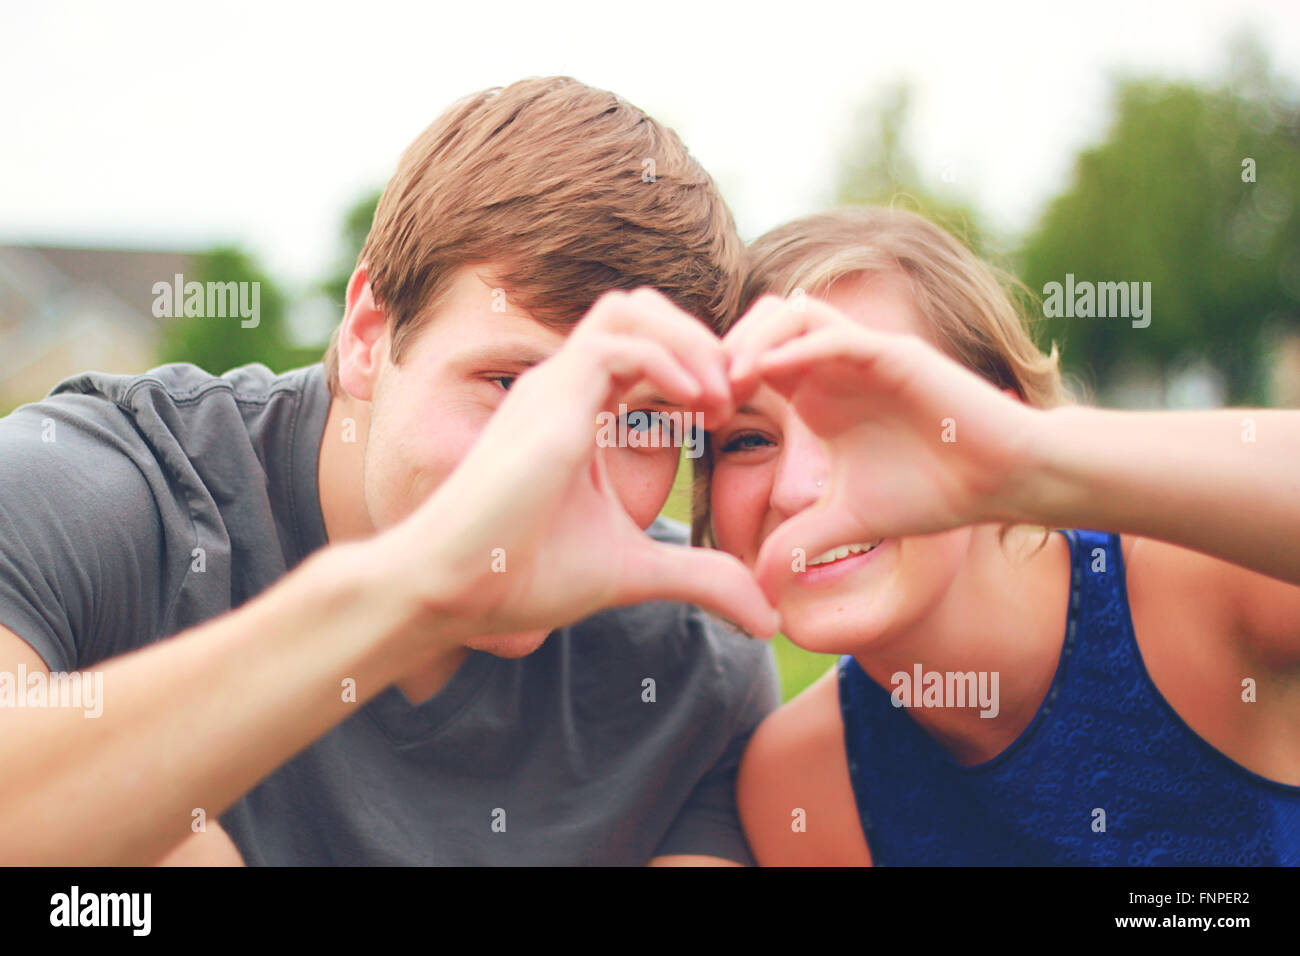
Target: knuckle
(618, 305)
(596, 346)
(609, 301)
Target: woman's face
(768, 467)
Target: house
(69, 310)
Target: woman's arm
(1225, 483)
(918, 443)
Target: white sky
(156, 124)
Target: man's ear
(363, 339)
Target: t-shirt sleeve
(80, 535)
(709, 823)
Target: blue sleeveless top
(1105, 749)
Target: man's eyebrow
(747, 410)
(523, 354)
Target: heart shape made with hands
(914, 444)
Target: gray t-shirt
(133, 507)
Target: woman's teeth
(843, 551)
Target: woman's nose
(802, 471)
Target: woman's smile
(838, 563)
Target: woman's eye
(507, 379)
(642, 421)
(745, 441)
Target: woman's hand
(528, 533)
(916, 442)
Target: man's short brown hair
(572, 190)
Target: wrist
(1018, 498)
(401, 602)
(1038, 489)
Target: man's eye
(745, 441)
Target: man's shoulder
(94, 426)
(669, 531)
(183, 383)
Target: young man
(402, 696)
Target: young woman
(1007, 694)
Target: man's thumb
(714, 580)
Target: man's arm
(196, 720)
(212, 847)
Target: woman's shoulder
(795, 796)
(1203, 626)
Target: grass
(798, 668)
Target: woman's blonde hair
(963, 301)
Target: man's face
(427, 412)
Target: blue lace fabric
(1105, 749)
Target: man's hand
(534, 491)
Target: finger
(647, 313)
(558, 405)
(602, 365)
(783, 366)
(627, 361)
(713, 580)
(743, 343)
(780, 322)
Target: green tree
(356, 226)
(1196, 191)
(219, 343)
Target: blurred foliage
(217, 343)
(878, 170)
(356, 226)
(1162, 200)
